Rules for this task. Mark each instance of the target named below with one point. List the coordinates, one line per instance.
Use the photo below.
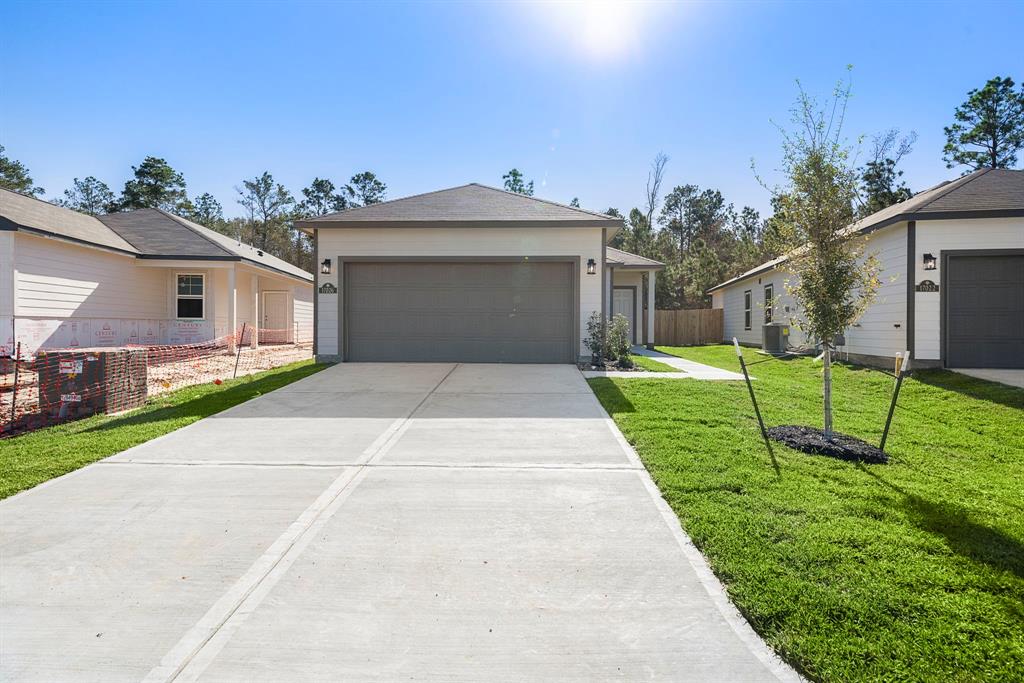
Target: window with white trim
(190, 296)
(746, 309)
(769, 301)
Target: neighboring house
(141, 277)
(472, 274)
(952, 273)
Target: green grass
(911, 571)
(35, 457)
(652, 365)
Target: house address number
(328, 288)
(927, 286)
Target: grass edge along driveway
(30, 459)
(911, 571)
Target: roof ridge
(955, 185)
(390, 201)
(185, 224)
(111, 229)
(546, 201)
(45, 201)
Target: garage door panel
(984, 300)
(469, 312)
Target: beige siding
(302, 296)
(934, 237)
(337, 244)
(6, 274)
(60, 280)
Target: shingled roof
(21, 212)
(985, 193)
(624, 259)
(470, 205)
(159, 234)
(143, 233)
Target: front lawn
(33, 458)
(651, 365)
(911, 571)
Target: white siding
(733, 313)
(881, 331)
(60, 280)
(934, 237)
(339, 243)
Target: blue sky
(429, 95)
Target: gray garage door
(466, 312)
(985, 312)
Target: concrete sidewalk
(371, 522)
(687, 369)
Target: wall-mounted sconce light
(929, 262)
(591, 266)
(325, 267)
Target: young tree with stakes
(833, 278)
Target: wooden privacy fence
(688, 327)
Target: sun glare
(600, 29)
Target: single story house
(471, 274)
(952, 273)
(139, 277)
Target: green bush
(609, 341)
(619, 347)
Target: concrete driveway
(432, 522)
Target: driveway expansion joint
(270, 566)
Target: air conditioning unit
(775, 337)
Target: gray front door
(985, 311)
(499, 312)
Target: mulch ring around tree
(843, 447)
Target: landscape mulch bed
(842, 446)
(610, 367)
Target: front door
(624, 303)
(275, 317)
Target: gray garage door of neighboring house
(985, 311)
(502, 312)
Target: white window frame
(769, 295)
(748, 302)
(178, 297)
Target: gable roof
(155, 233)
(21, 212)
(143, 233)
(158, 234)
(471, 205)
(985, 193)
(624, 259)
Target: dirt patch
(842, 446)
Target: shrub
(619, 346)
(595, 336)
(609, 341)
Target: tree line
(701, 237)
(268, 209)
